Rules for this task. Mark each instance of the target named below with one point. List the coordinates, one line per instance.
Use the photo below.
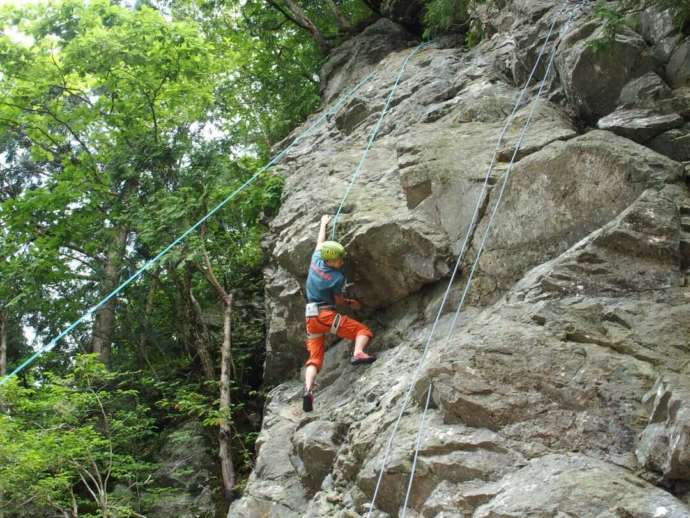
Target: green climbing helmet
(331, 250)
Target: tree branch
(299, 17)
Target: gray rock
(579, 305)
(665, 443)
(285, 337)
(453, 453)
(484, 101)
(645, 92)
(650, 92)
(547, 487)
(657, 25)
(444, 165)
(185, 458)
(568, 185)
(274, 487)
(456, 500)
(675, 144)
(665, 48)
(643, 239)
(682, 96)
(678, 68)
(315, 447)
(528, 21)
(593, 78)
(350, 62)
(184, 505)
(639, 125)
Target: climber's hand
(325, 219)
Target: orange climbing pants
(318, 327)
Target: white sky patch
(30, 335)
(16, 36)
(208, 131)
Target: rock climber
(325, 284)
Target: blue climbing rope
(374, 133)
(51, 345)
(475, 264)
(455, 271)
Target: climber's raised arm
(325, 220)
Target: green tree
(119, 128)
(68, 442)
(106, 97)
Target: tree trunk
(201, 339)
(298, 16)
(3, 343)
(225, 432)
(145, 333)
(226, 374)
(104, 321)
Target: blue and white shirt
(323, 282)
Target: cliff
(564, 390)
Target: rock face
(564, 388)
(545, 488)
(639, 125)
(678, 68)
(594, 77)
(661, 32)
(664, 445)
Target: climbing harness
(459, 261)
(374, 133)
(334, 326)
(51, 345)
(311, 310)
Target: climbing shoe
(361, 358)
(308, 401)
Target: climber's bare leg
(360, 343)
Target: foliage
(102, 100)
(446, 16)
(71, 441)
(274, 82)
(119, 128)
(121, 122)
